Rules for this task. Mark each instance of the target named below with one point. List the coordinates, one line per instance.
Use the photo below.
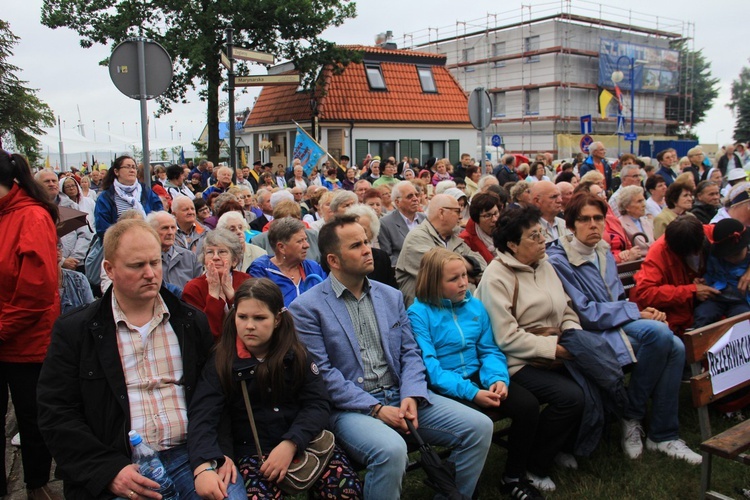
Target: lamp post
(617, 77)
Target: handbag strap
(515, 288)
(249, 409)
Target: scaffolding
(493, 52)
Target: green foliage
(697, 92)
(22, 113)
(740, 105)
(193, 34)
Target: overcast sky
(69, 78)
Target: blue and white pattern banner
(307, 151)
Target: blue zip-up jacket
(457, 342)
(596, 296)
(262, 267)
(588, 165)
(105, 213)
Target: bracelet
(376, 410)
(204, 470)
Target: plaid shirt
(153, 376)
(362, 314)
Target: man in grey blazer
(396, 225)
(374, 372)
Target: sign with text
(251, 55)
(225, 61)
(729, 358)
(266, 80)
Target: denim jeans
(657, 374)
(176, 462)
(444, 422)
(709, 311)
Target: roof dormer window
(427, 79)
(375, 77)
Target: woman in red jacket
(484, 212)
(29, 305)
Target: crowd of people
(355, 299)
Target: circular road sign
(496, 140)
(586, 141)
(123, 68)
(480, 108)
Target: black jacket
(504, 175)
(296, 415)
(704, 212)
(84, 413)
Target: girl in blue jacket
(463, 362)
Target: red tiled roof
(348, 96)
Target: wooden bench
(626, 272)
(732, 443)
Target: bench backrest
(626, 271)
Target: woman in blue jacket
(463, 362)
(288, 268)
(121, 192)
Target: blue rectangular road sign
(631, 137)
(586, 124)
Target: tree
(696, 94)
(193, 34)
(740, 105)
(22, 113)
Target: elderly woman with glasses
(484, 212)
(121, 192)
(588, 273)
(213, 292)
(525, 299)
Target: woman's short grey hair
(282, 230)
(223, 198)
(442, 186)
(361, 210)
(223, 238)
(518, 189)
(626, 196)
(341, 197)
(229, 217)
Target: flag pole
(299, 127)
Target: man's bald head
(546, 196)
(566, 193)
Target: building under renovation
(545, 66)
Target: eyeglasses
(537, 237)
(456, 209)
(490, 215)
(127, 167)
(586, 219)
(223, 253)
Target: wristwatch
(212, 465)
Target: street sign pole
(480, 103)
(230, 88)
(144, 112)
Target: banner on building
(655, 69)
(729, 358)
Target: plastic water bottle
(151, 466)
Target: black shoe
(521, 489)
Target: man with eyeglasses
(396, 225)
(546, 197)
(440, 229)
(630, 175)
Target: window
(467, 56)
(434, 149)
(531, 102)
(531, 44)
(499, 104)
(375, 77)
(498, 49)
(426, 79)
(383, 149)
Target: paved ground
(16, 486)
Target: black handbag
(307, 466)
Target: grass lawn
(608, 474)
